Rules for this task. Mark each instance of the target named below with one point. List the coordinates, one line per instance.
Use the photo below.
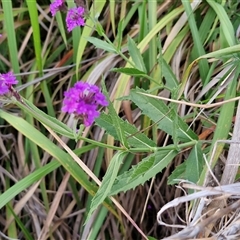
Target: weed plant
(106, 107)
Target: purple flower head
(55, 6)
(75, 18)
(83, 99)
(6, 82)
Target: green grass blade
(26, 182)
(198, 49)
(32, 8)
(12, 230)
(33, 12)
(152, 19)
(11, 35)
(24, 230)
(98, 222)
(112, 5)
(226, 24)
(44, 143)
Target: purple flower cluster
(56, 6)
(84, 99)
(75, 16)
(6, 82)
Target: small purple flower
(83, 99)
(6, 82)
(75, 18)
(55, 6)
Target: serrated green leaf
(142, 168)
(101, 44)
(136, 55)
(105, 121)
(107, 182)
(134, 137)
(141, 172)
(159, 112)
(116, 121)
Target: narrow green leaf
(223, 53)
(143, 171)
(107, 181)
(12, 228)
(171, 81)
(112, 8)
(136, 55)
(11, 36)
(98, 223)
(130, 71)
(101, 44)
(194, 164)
(51, 122)
(177, 174)
(226, 24)
(198, 49)
(116, 121)
(191, 168)
(32, 8)
(99, 29)
(27, 181)
(119, 34)
(135, 73)
(23, 228)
